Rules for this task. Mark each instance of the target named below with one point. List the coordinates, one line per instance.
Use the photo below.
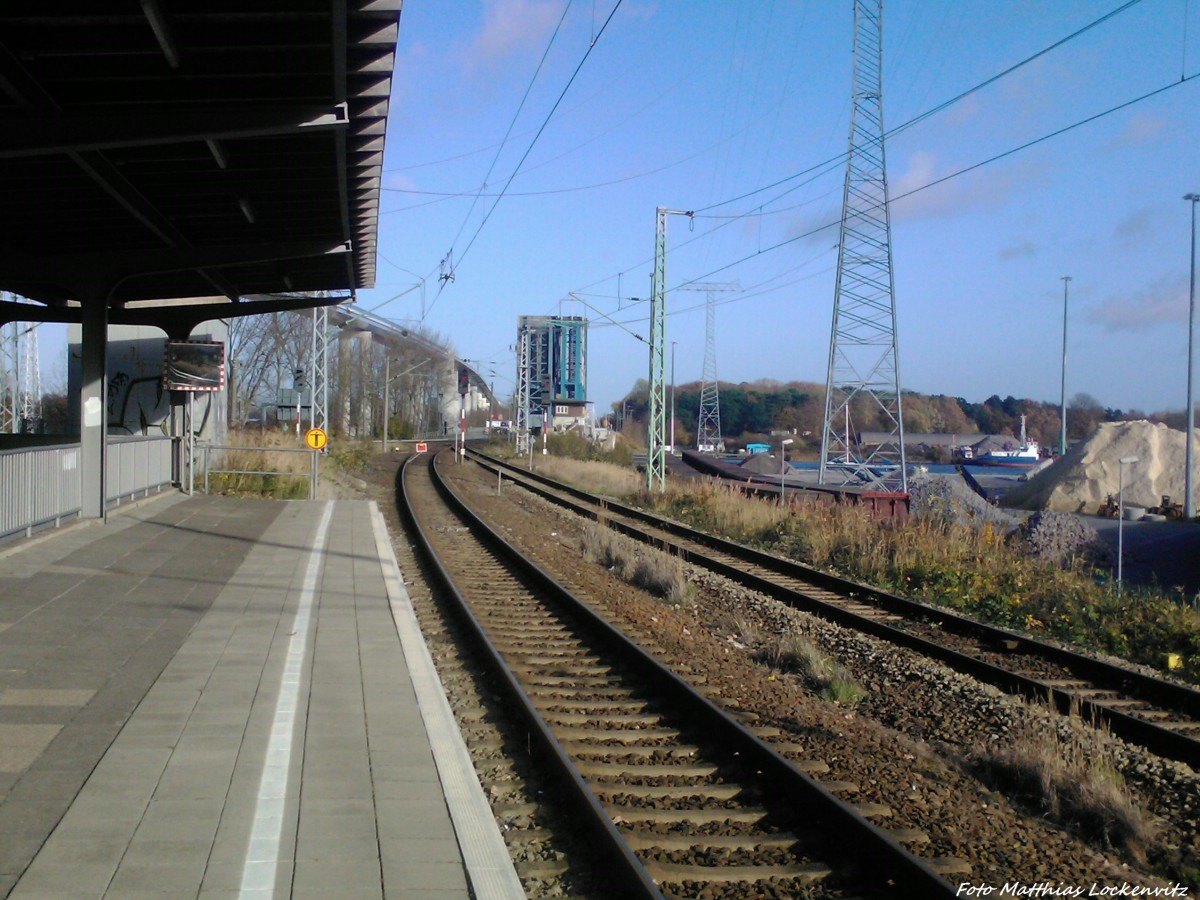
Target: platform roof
(166, 149)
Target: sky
(531, 141)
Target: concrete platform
(209, 697)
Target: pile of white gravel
(1080, 481)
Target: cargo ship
(1026, 455)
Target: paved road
(1166, 553)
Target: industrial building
(551, 373)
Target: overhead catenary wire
(512, 123)
(826, 165)
(532, 143)
(941, 107)
(831, 161)
(934, 183)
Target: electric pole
(708, 419)
(863, 350)
(656, 436)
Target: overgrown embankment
(975, 566)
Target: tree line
(759, 408)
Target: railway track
(679, 798)
(1159, 715)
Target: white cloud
(399, 181)
(1139, 129)
(1164, 301)
(1136, 227)
(511, 28)
(969, 192)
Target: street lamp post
(1062, 438)
(1123, 462)
(1189, 500)
(783, 467)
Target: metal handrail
(41, 486)
(313, 473)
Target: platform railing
(214, 454)
(41, 486)
(140, 466)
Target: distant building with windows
(551, 373)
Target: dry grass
(265, 456)
(652, 570)
(974, 570)
(1060, 772)
(594, 477)
(720, 507)
(744, 631)
(794, 652)
(970, 569)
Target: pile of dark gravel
(1058, 537)
(947, 500)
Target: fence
(312, 474)
(42, 486)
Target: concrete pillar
(93, 396)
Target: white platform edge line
(489, 866)
(261, 866)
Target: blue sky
(689, 104)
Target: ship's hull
(1006, 462)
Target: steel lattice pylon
(864, 370)
(656, 431)
(708, 419)
(523, 392)
(319, 366)
(9, 366)
(29, 396)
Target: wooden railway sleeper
(906, 868)
(673, 873)
(610, 789)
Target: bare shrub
(794, 652)
(645, 567)
(1053, 767)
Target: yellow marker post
(316, 439)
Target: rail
(42, 486)
(741, 565)
(911, 875)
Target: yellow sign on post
(316, 438)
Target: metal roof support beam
(177, 321)
(162, 32)
(24, 135)
(116, 267)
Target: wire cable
(904, 126)
(532, 143)
(963, 171)
(511, 124)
